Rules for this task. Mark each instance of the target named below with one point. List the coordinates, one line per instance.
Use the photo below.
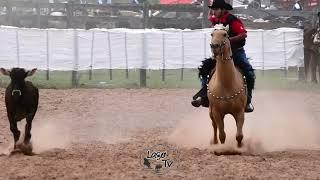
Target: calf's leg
(28, 127)
(15, 131)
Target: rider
(237, 34)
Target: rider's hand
(211, 12)
(238, 38)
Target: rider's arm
(210, 14)
(238, 28)
(211, 17)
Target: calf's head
(17, 76)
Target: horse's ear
(227, 28)
(4, 72)
(218, 27)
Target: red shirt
(237, 25)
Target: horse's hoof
(26, 148)
(15, 151)
(226, 152)
(212, 142)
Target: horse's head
(220, 39)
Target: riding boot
(250, 78)
(249, 106)
(201, 98)
(202, 101)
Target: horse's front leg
(220, 123)
(239, 121)
(214, 140)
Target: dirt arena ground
(101, 134)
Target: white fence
(53, 49)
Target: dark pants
(240, 60)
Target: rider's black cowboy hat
(220, 4)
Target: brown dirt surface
(100, 134)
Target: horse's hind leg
(313, 65)
(214, 125)
(239, 121)
(319, 70)
(318, 64)
(306, 61)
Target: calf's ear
(4, 72)
(30, 73)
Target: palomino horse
(227, 87)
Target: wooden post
(145, 15)
(48, 55)
(18, 47)
(163, 58)
(76, 59)
(91, 62)
(38, 15)
(285, 55)
(69, 9)
(9, 13)
(126, 55)
(182, 52)
(263, 49)
(110, 56)
(143, 71)
(205, 11)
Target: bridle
(220, 46)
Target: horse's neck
(225, 70)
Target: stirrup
(202, 101)
(196, 102)
(249, 108)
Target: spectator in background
(133, 2)
(297, 6)
(104, 1)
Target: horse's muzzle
(214, 46)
